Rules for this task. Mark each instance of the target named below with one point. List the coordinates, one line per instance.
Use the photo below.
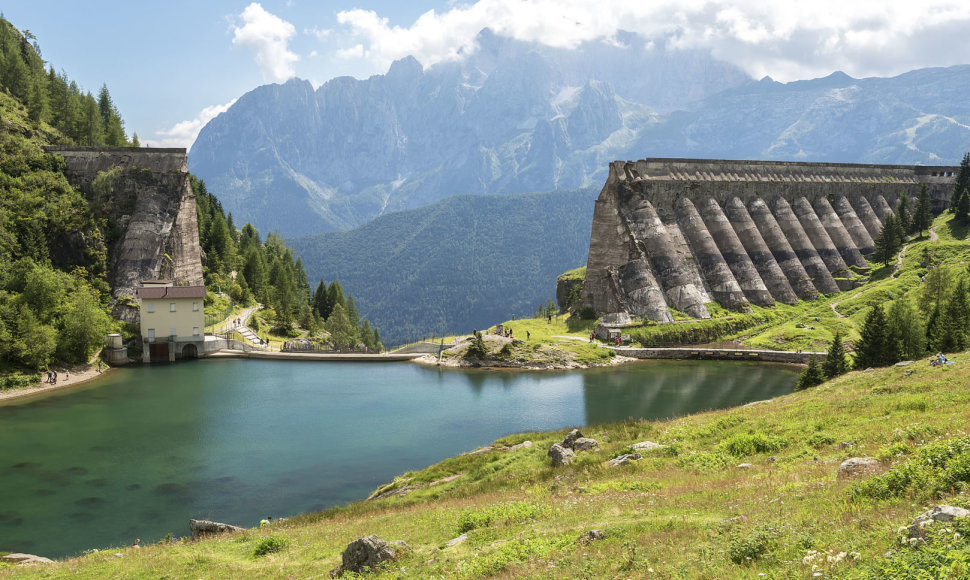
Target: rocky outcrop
(145, 196)
(560, 455)
(940, 513)
(858, 466)
(679, 233)
(366, 553)
(24, 559)
(201, 528)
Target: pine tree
(963, 208)
(888, 241)
(903, 215)
(812, 376)
(835, 364)
(871, 348)
(905, 330)
(962, 181)
(923, 218)
(352, 314)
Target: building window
(171, 307)
(173, 332)
(150, 307)
(195, 331)
(195, 307)
(151, 335)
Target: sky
(173, 65)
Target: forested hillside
(54, 297)
(459, 264)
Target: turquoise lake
(138, 452)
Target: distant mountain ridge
(512, 117)
(515, 117)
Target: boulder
(199, 528)
(745, 465)
(585, 444)
(364, 553)
(456, 541)
(858, 466)
(24, 559)
(940, 513)
(616, 319)
(625, 459)
(571, 438)
(523, 445)
(647, 446)
(560, 455)
(592, 536)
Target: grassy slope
(666, 512)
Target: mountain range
(511, 118)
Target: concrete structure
(681, 233)
(145, 196)
(172, 321)
(115, 350)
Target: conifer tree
(905, 330)
(871, 348)
(962, 181)
(835, 364)
(888, 241)
(963, 208)
(903, 215)
(352, 314)
(812, 376)
(923, 217)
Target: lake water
(139, 452)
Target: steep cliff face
(680, 233)
(146, 199)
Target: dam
(683, 233)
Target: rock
(616, 319)
(560, 455)
(592, 536)
(523, 445)
(364, 552)
(447, 479)
(625, 459)
(904, 363)
(24, 559)
(940, 513)
(200, 528)
(456, 541)
(734, 520)
(585, 444)
(647, 446)
(858, 466)
(745, 466)
(571, 438)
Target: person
(265, 521)
(99, 366)
(48, 376)
(940, 358)
(55, 377)
(137, 543)
(528, 335)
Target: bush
(819, 440)
(752, 546)
(744, 444)
(517, 511)
(270, 545)
(17, 381)
(935, 469)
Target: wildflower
(956, 536)
(854, 555)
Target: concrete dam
(682, 233)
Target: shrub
(744, 444)
(704, 461)
(935, 469)
(477, 348)
(751, 547)
(270, 545)
(17, 381)
(517, 511)
(819, 440)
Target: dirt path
(933, 236)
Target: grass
(685, 511)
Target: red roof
(171, 292)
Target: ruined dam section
(681, 233)
(147, 200)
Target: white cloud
(268, 36)
(183, 133)
(787, 40)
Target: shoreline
(78, 375)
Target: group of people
(940, 360)
(52, 377)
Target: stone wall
(681, 233)
(149, 206)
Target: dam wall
(145, 197)
(682, 233)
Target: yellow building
(172, 320)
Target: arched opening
(190, 351)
